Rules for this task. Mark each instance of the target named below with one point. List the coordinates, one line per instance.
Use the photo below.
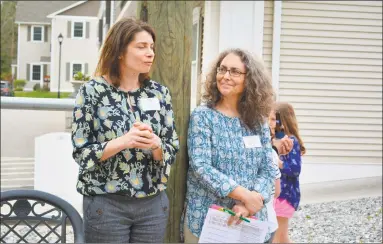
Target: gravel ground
(351, 221)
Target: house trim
(123, 10)
(31, 23)
(210, 42)
(83, 30)
(31, 72)
(112, 13)
(53, 55)
(258, 22)
(42, 33)
(276, 51)
(65, 9)
(18, 50)
(75, 17)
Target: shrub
(18, 89)
(81, 77)
(37, 87)
(19, 83)
(46, 88)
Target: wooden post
(172, 22)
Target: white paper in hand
(216, 230)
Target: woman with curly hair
(230, 155)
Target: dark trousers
(112, 218)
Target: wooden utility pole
(172, 22)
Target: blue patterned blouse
(290, 175)
(219, 162)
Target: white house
(325, 58)
(39, 25)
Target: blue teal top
(290, 175)
(219, 162)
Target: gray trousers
(112, 218)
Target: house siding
(83, 50)
(89, 8)
(268, 34)
(30, 52)
(331, 71)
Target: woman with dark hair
(230, 155)
(124, 141)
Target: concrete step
(17, 165)
(16, 187)
(30, 169)
(17, 181)
(18, 175)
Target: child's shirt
(290, 175)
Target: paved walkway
(341, 190)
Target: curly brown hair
(257, 98)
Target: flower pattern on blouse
(290, 175)
(103, 113)
(219, 162)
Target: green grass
(41, 94)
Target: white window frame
(195, 63)
(33, 31)
(71, 68)
(31, 71)
(83, 29)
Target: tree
(8, 35)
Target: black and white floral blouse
(103, 112)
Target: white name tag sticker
(252, 141)
(147, 104)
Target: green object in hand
(233, 214)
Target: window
(76, 68)
(37, 33)
(36, 72)
(78, 29)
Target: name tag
(252, 141)
(147, 104)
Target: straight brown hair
(116, 42)
(289, 122)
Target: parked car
(6, 89)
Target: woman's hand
(283, 145)
(241, 211)
(280, 164)
(253, 201)
(140, 136)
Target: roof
(37, 11)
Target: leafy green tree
(8, 35)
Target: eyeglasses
(232, 72)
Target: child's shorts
(283, 208)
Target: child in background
(277, 186)
(290, 165)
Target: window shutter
(100, 30)
(29, 33)
(28, 72)
(46, 33)
(69, 33)
(45, 70)
(87, 30)
(67, 72)
(85, 68)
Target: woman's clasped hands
(141, 136)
